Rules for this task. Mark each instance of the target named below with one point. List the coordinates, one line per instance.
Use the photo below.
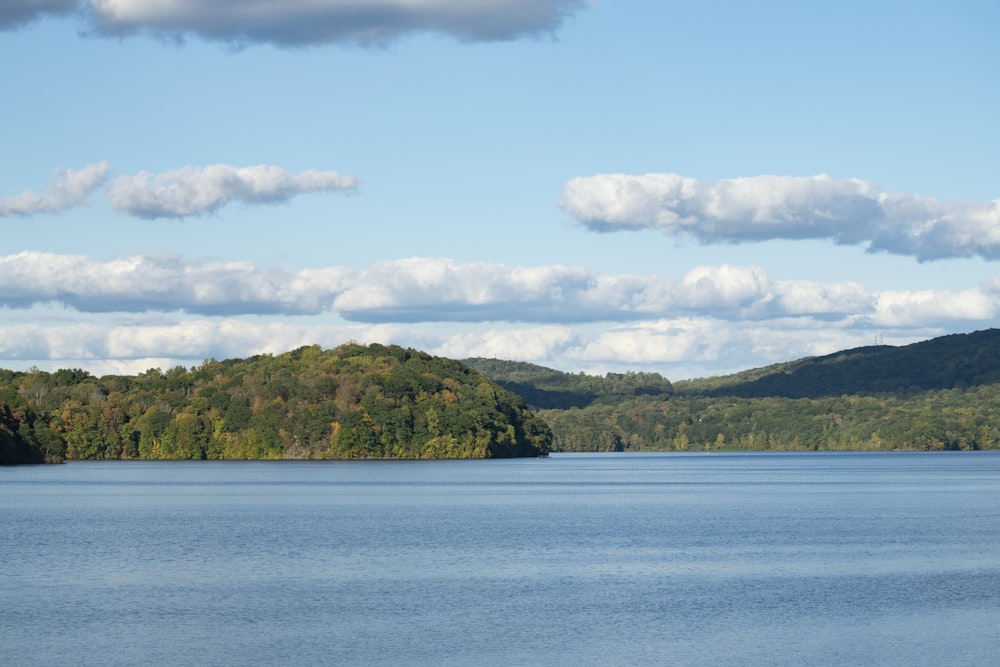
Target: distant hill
(948, 362)
(354, 401)
(939, 394)
(377, 401)
(546, 388)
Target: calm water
(731, 559)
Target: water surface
(603, 559)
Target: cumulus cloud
(158, 283)
(200, 190)
(689, 347)
(929, 307)
(100, 346)
(679, 348)
(731, 286)
(67, 189)
(821, 300)
(712, 319)
(428, 289)
(15, 13)
(444, 290)
(409, 289)
(762, 208)
(181, 342)
(530, 344)
(311, 22)
(657, 341)
(422, 289)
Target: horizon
(463, 360)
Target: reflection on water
(822, 559)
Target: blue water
(608, 559)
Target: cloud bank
(679, 348)
(762, 208)
(67, 189)
(15, 13)
(312, 22)
(157, 283)
(199, 190)
(130, 314)
(294, 23)
(434, 290)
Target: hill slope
(350, 402)
(546, 388)
(938, 394)
(955, 361)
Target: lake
(576, 559)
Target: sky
(690, 188)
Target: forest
(940, 394)
(378, 401)
(350, 402)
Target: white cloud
(182, 342)
(724, 286)
(15, 13)
(189, 339)
(200, 190)
(761, 208)
(929, 307)
(310, 22)
(426, 289)
(528, 344)
(445, 290)
(656, 342)
(102, 346)
(679, 348)
(158, 283)
(803, 297)
(68, 188)
(699, 347)
(713, 319)
(410, 289)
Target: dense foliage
(547, 388)
(948, 362)
(387, 402)
(945, 419)
(938, 394)
(24, 437)
(351, 402)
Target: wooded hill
(353, 401)
(942, 393)
(387, 402)
(958, 361)
(545, 388)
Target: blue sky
(685, 187)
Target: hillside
(546, 388)
(387, 402)
(948, 362)
(350, 402)
(942, 393)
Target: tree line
(939, 394)
(547, 388)
(354, 401)
(947, 419)
(388, 402)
